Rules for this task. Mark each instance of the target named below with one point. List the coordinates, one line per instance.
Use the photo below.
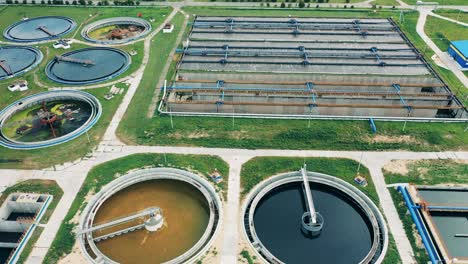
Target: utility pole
(170, 114)
(458, 16)
(359, 164)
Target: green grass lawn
(461, 15)
(441, 2)
(106, 172)
(35, 186)
(75, 149)
(443, 31)
(424, 172)
(420, 253)
(431, 172)
(385, 2)
(268, 133)
(258, 169)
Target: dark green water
(345, 238)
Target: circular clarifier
(353, 230)
(188, 208)
(87, 66)
(116, 30)
(48, 119)
(16, 60)
(39, 29)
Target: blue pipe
(372, 125)
(449, 208)
(420, 226)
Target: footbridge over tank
(312, 221)
(119, 221)
(46, 30)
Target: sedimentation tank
(39, 29)
(353, 230)
(48, 119)
(114, 225)
(88, 65)
(16, 60)
(117, 30)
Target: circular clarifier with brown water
(186, 216)
(187, 203)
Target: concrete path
(444, 57)
(163, 74)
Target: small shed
(458, 50)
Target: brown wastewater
(186, 215)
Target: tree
(282, 5)
(82, 2)
(301, 4)
(90, 2)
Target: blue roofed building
(458, 50)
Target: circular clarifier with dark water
(87, 66)
(16, 60)
(39, 29)
(353, 230)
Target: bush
(25, 1)
(352, 6)
(301, 4)
(282, 5)
(33, 2)
(74, 2)
(82, 2)
(16, 2)
(9, 2)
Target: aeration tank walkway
(5, 67)
(46, 30)
(308, 194)
(73, 60)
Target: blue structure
(458, 50)
(418, 221)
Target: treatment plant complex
(266, 132)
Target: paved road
(444, 57)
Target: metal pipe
(420, 226)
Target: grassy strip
(35, 186)
(258, 169)
(161, 47)
(459, 15)
(106, 172)
(443, 31)
(441, 2)
(385, 3)
(431, 172)
(420, 253)
(75, 149)
(30, 245)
